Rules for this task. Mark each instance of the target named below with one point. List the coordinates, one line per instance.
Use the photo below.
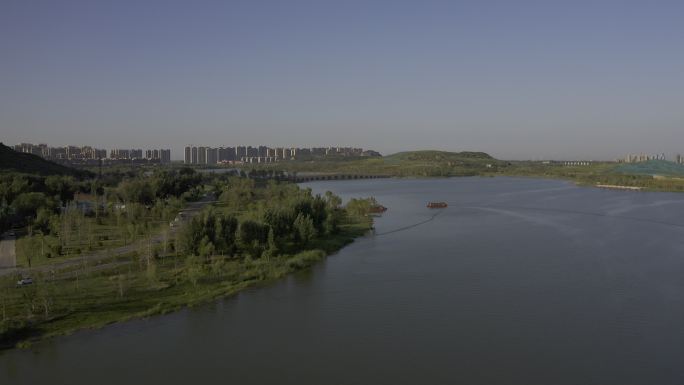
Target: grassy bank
(604, 173)
(404, 164)
(135, 286)
(651, 176)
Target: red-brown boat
(437, 205)
(377, 209)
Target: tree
(193, 269)
(304, 229)
(206, 248)
(333, 201)
(251, 235)
(136, 191)
(63, 187)
(272, 249)
(226, 227)
(359, 207)
(332, 221)
(280, 220)
(318, 212)
(44, 220)
(27, 204)
(191, 236)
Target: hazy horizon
(518, 80)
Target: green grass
(597, 173)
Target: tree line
(257, 222)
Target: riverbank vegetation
(404, 164)
(592, 174)
(255, 232)
(667, 176)
(60, 217)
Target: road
(8, 256)
(191, 210)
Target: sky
(517, 79)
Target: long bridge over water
(316, 177)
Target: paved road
(8, 256)
(189, 211)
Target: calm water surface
(518, 281)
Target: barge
(377, 209)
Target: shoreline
(172, 294)
(618, 187)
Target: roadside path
(191, 210)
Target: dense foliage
(63, 216)
(256, 231)
(257, 221)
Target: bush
(305, 259)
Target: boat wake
(577, 212)
(432, 218)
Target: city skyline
(207, 155)
(523, 80)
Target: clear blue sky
(518, 79)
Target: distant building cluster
(90, 155)
(636, 158)
(264, 154)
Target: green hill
(403, 164)
(438, 156)
(12, 161)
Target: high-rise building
(240, 152)
(212, 155)
(201, 155)
(188, 155)
(226, 154)
(165, 155)
(117, 153)
(194, 155)
(73, 152)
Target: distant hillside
(12, 161)
(439, 156)
(652, 167)
(403, 164)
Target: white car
(25, 281)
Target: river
(518, 281)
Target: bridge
(316, 177)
